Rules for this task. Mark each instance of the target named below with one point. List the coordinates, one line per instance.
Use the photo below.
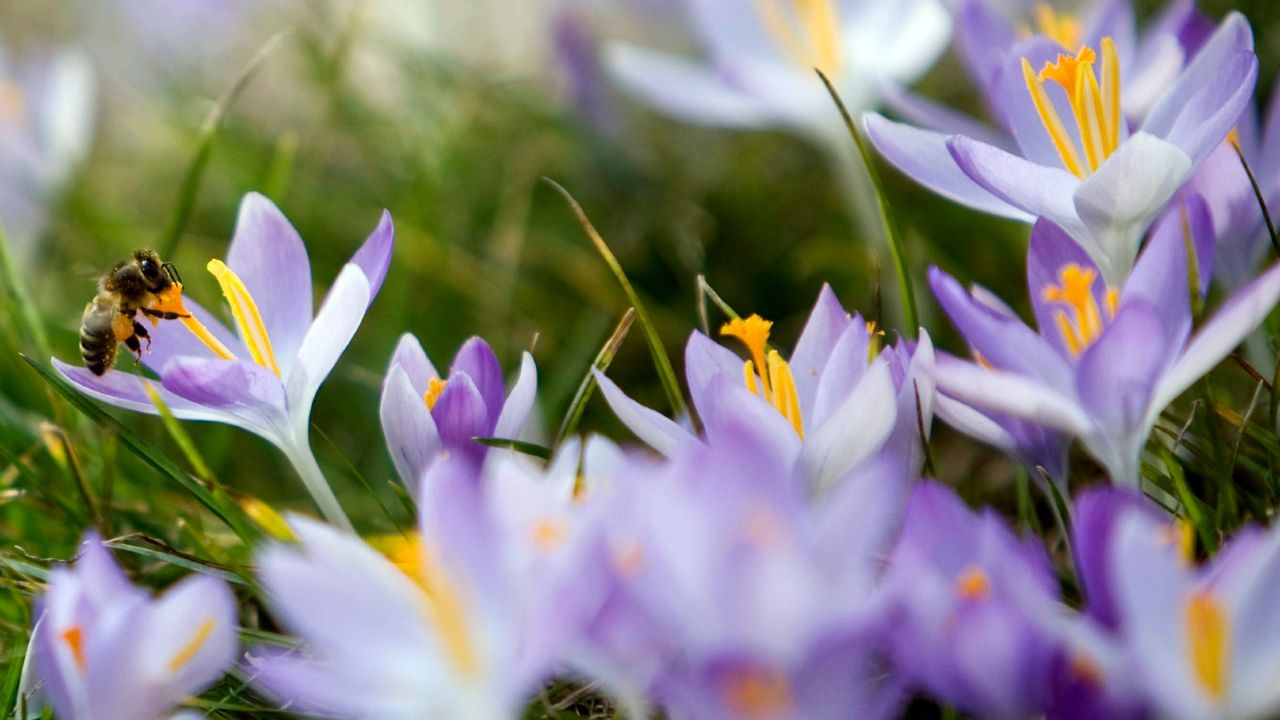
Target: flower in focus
(966, 597)
(461, 619)
(424, 415)
(46, 124)
(837, 402)
(1077, 162)
(107, 649)
(1107, 359)
(266, 379)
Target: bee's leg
(134, 346)
(141, 331)
(163, 315)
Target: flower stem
(304, 462)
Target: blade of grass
(1257, 193)
(171, 556)
(20, 298)
(1192, 505)
(894, 237)
(520, 446)
(218, 503)
(666, 372)
(209, 130)
(603, 359)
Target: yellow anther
(982, 360)
(267, 518)
(435, 387)
(1084, 325)
(1095, 106)
(247, 317)
(785, 399)
(753, 332)
(74, 638)
(757, 694)
(549, 534)
(766, 374)
(807, 31)
(1208, 642)
(193, 646)
(1059, 27)
(973, 584)
(170, 301)
(874, 334)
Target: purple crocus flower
(1107, 360)
(966, 597)
(836, 403)
(266, 379)
(1078, 163)
(107, 649)
(462, 619)
(424, 415)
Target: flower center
(549, 533)
(445, 608)
(757, 693)
(1062, 28)
(74, 638)
(189, 650)
(807, 31)
(1209, 642)
(766, 373)
(1081, 324)
(247, 317)
(435, 388)
(170, 301)
(973, 583)
(1095, 106)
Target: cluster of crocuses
(780, 556)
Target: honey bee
(140, 284)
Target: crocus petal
(684, 89)
(843, 371)
(476, 360)
(191, 635)
(857, 428)
(1010, 393)
(1036, 189)
(1254, 659)
(732, 413)
(931, 115)
(1017, 108)
(704, 361)
(1160, 276)
(374, 256)
(519, 401)
(826, 324)
(923, 156)
(1119, 201)
(327, 338)
(1050, 251)
(657, 430)
(1098, 512)
(983, 36)
(1219, 336)
(410, 356)
(973, 423)
(461, 415)
(170, 338)
(251, 394)
(409, 429)
(268, 255)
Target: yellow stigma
(189, 650)
(1082, 323)
(973, 583)
(170, 301)
(1059, 27)
(1209, 642)
(766, 374)
(435, 387)
(247, 317)
(757, 694)
(807, 31)
(74, 638)
(549, 534)
(1095, 106)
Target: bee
(138, 284)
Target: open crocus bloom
(265, 378)
(838, 401)
(1077, 162)
(461, 619)
(107, 649)
(760, 58)
(1107, 359)
(424, 415)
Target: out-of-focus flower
(736, 596)
(1077, 163)
(466, 616)
(837, 402)
(966, 597)
(265, 380)
(1107, 360)
(107, 649)
(424, 415)
(46, 124)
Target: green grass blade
(20, 302)
(218, 504)
(891, 233)
(603, 359)
(520, 446)
(666, 372)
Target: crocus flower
(424, 415)
(836, 403)
(266, 379)
(46, 122)
(107, 649)
(1078, 164)
(1107, 360)
(464, 619)
(966, 596)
